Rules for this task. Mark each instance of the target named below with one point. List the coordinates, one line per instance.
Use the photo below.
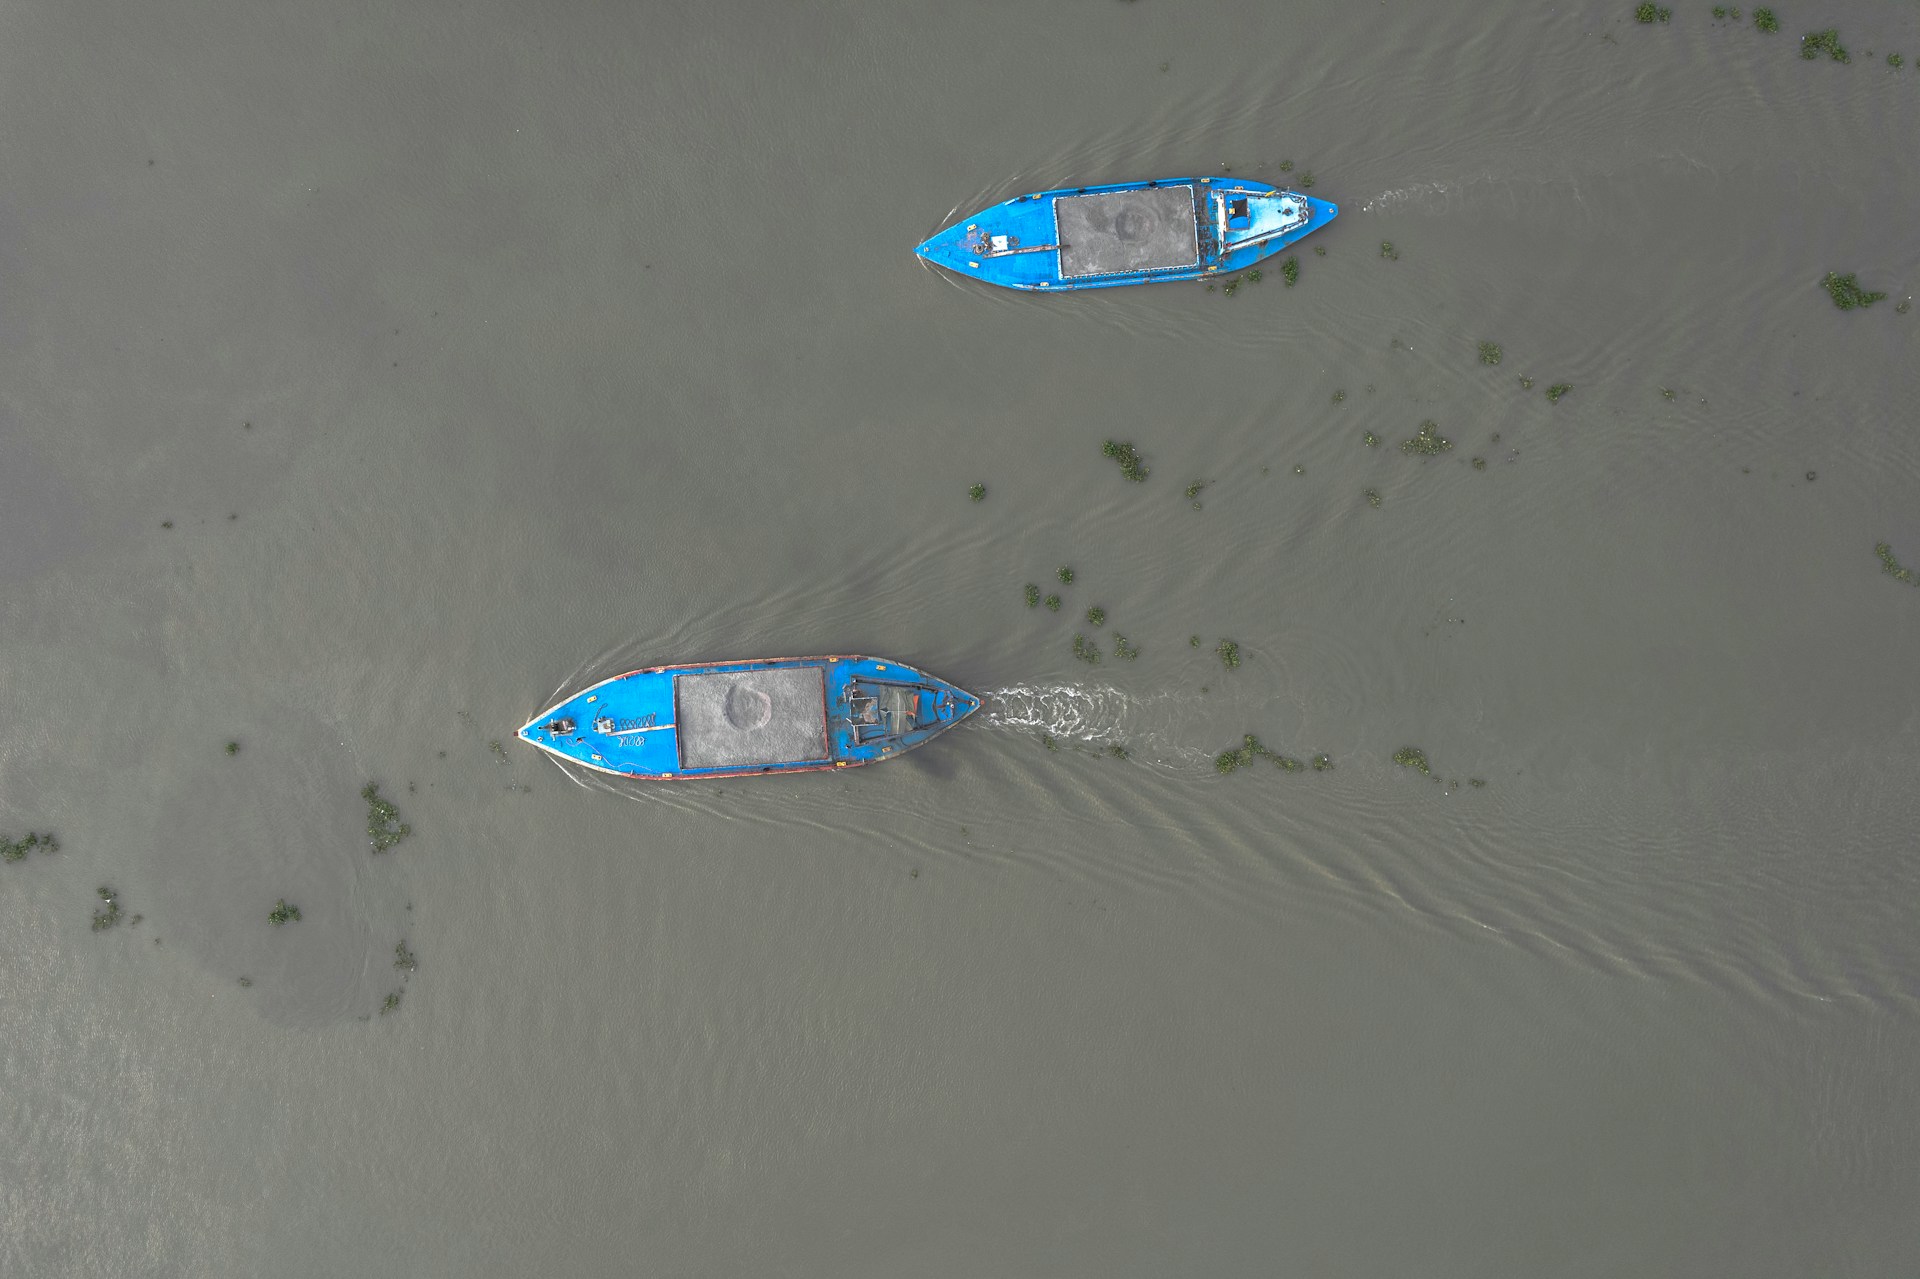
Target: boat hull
(1102, 237)
(749, 718)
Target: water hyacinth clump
(1427, 441)
(1765, 20)
(1290, 269)
(1652, 13)
(392, 1002)
(1249, 750)
(1891, 566)
(1123, 650)
(16, 850)
(1229, 654)
(1846, 292)
(1815, 43)
(1526, 383)
(1096, 616)
(1557, 390)
(978, 492)
(1033, 595)
(1065, 575)
(1895, 61)
(1372, 496)
(109, 915)
(233, 748)
(1128, 457)
(1388, 251)
(1371, 440)
(1323, 763)
(1489, 353)
(403, 959)
(1053, 603)
(282, 913)
(1086, 650)
(1412, 757)
(384, 827)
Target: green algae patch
(1815, 43)
(1526, 383)
(1250, 749)
(1413, 757)
(1651, 13)
(1490, 353)
(978, 492)
(1096, 616)
(16, 850)
(1846, 292)
(1371, 440)
(1065, 575)
(1033, 595)
(1388, 252)
(233, 748)
(1086, 650)
(1229, 654)
(1892, 567)
(1323, 763)
(391, 1003)
(1053, 603)
(1124, 650)
(384, 827)
(1427, 441)
(1128, 457)
(1557, 390)
(1290, 269)
(282, 913)
(1765, 20)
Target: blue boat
(732, 719)
(1127, 233)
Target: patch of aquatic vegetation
(1652, 13)
(404, 959)
(1032, 595)
(1255, 276)
(1489, 353)
(1053, 603)
(1323, 763)
(1891, 566)
(1117, 751)
(1286, 166)
(1413, 757)
(1388, 252)
(1250, 749)
(283, 913)
(1372, 496)
(1229, 654)
(1479, 463)
(1319, 250)
(1526, 383)
(1290, 269)
(391, 1003)
(499, 753)
(384, 827)
(1065, 575)
(1193, 641)
(1086, 650)
(1815, 43)
(1193, 492)
(1096, 616)
(1299, 469)
(1128, 457)
(1846, 292)
(978, 492)
(1765, 20)
(109, 915)
(233, 748)
(1229, 287)
(1557, 390)
(1123, 650)
(1306, 180)
(1895, 61)
(16, 850)
(1427, 441)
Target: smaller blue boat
(732, 719)
(1127, 233)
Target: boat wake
(1095, 715)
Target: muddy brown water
(476, 352)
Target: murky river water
(368, 373)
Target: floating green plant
(1339, 397)
(1764, 20)
(282, 913)
(1319, 250)
(1371, 440)
(1477, 783)
(1427, 441)
(1193, 489)
(1299, 469)
(1286, 166)
(1323, 763)
(1254, 276)
(1815, 43)
(1229, 287)
(1193, 641)
(1526, 383)
(1479, 463)
(1096, 616)
(233, 748)
(404, 959)
(1372, 496)
(392, 1002)
(245, 982)
(1557, 390)
(1903, 306)
(1046, 740)
(1719, 11)
(1652, 13)
(1846, 292)
(1895, 61)
(1412, 757)
(1667, 392)
(1229, 654)
(1890, 565)
(1086, 650)
(1123, 650)
(978, 492)
(1388, 251)
(1032, 595)
(1249, 750)
(384, 827)
(1290, 269)
(1489, 353)
(1065, 575)
(1306, 180)
(499, 754)
(1128, 457)
(1288, 764)
(1118, 751)
(1053, 603)
(109, 915)
(16, 850)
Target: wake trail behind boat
(1097, 715)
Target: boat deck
(1118, 232)
(745, 719)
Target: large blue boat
(1127, 233)
(731, 719)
